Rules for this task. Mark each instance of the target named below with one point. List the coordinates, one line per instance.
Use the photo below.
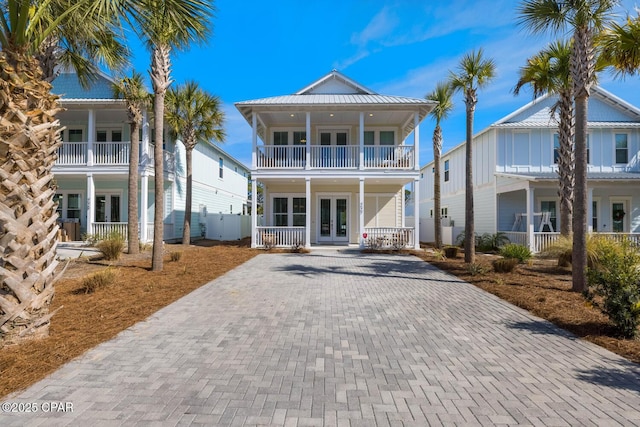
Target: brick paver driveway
(338, 338)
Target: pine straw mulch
(86, 320)
(544, 289)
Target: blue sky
(404, 47)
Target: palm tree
(474, 72)
(585, 18)
(620, 46)
(548, 72)
(133, 90)
(194, 115)
(29, 137)
(167, 25)
(443, 95)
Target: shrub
(486, 242)
(476, 269)
(505, 265)
(513, 250)
(175, 256)
(614, 285)
(450, 251)
(112, 246)
(98, 280)
(562, 249)
(439, 254)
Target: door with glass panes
(334, 149)
(107, 208)
(333, 219)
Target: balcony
(106, 154)
(398, 157)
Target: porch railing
(335, 157)
(542, 240)
(102, 230)
(518, 237)
(389, 157)
(280, 236)
(72, 153)
(111, 153)
(282, 156)
(389, 237)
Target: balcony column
(254, 142)
(144, 203)
(254, 208)
(530, 194)
(307, 231)
(416, 141)
(307, 164)
(361, 140)
(144, 152)
(416, 213)
(361, 238)
(91, 198)
(91, 136)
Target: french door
(107, 208)
(334, 150)
(333, 219)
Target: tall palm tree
(166, 25)
(585, 18)
(194, 115)
(136, 96)
(620, 46)
(29, 137)
(548, 72)
(443, 95)
(474, 72)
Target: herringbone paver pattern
(340, 339)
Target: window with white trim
(622, 148)
(221, 168)
(446, 170)
(289, 210)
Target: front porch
(539, 241)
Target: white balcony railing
(389, 237)
(72, 153)
(102, 230)
(169, 160)
(280, 236)
(335, 157)
(111, 153)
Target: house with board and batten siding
(516, 180)
(92, 169)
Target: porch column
(307, 164)
(589, 210)
(361, 238)
(361, 140)
(254, 142)
(416, 213)
(144, 151)
(416, 141)
(91, 197)
(144, 203)
(91, 136)
(254, 207)
(307, 231)
(530, 226)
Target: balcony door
(333, 219)
(107, 208)
(334, 151)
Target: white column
(254, 210)
(144, 203)
(590, 210)
(91, 198)
(530, 194)
(307, 231)
(91, 136)
(144, 152)
(361, 238)
(308, 145)
(254, 141)
(361, 140)
(416, 141)
(416, 213)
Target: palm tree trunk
(437, 220)
(566, 162)
(186, 232)
(134, 160)
(469, 225)
(160, 71)
(29, 138)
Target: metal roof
(552, 125)
(325, 100)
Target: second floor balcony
(397, 157)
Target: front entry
(334, 223)
(107, 208)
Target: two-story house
(334, 159)
(92, 169)
(516, 180)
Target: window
(556, 148)
(73, 206)
(446, 170)
(369, 137)
(230, 209)
(549, 206)
(430, 213)
(299, 212)
(221, 168)
(280, 212)
(444, 212)
(101, 136)
(281, 138)
(299, 138)
(622, 150)
(588, 150)
(387, 137)
(75, 135)
(594, 215)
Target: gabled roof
(335, 83)
(69, 88)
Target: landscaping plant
(112, 246)
(513, 250)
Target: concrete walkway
(338, 339)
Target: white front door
(107, 208)
(333, 219)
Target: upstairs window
(387, 137)
(75, 135)
(281, 138)
(446, 170)
(622, 149)
(221, 168)
(299, 137)
(556, 148)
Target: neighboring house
(516, 180)
(92, 169)
(333, 159)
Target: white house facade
(333, 159)
(516, 180)
(92, 170)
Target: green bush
(562, 249)
(112, 246)
(98, 280)
(486, 242)
(513, 250)
(614, 285)
(450, 251)
(505, 265)
(476, 269)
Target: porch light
(331, 115)
(292, 115)
(370, 114)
